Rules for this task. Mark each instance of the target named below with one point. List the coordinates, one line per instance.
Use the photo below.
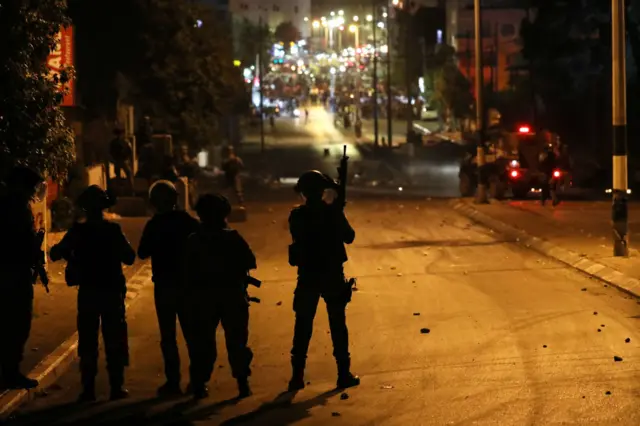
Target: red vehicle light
(556, 173)
(514, 173)
(524, 129)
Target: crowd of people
(200, 275)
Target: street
(510, 337)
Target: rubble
(425, 331)
(627, 340)
(616, 358)
(344, 396)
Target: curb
(583, 264)
(58, 362)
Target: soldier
(218, 261)
(232, 167)
(548, 164)
(319, 232)
(164, 239)
(95, 251)
(122, 156)
(17, 263)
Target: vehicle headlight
(514, 163)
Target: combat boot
(243, 388)
(297, 377)
(200, 390)
(345, 378)
(18, 381)
(116, 381)
(88, 388)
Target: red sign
(59, 58)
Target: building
(274, 12)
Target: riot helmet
(94, 199)
(24, 180)
(163, 196)
(213, 207)
(313, 182)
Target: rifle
(342, 179)
(39, 269)
(254, 282)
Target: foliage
(252, 40)
(287, 33)
(32, 124)
(451, 90)
(172, 60)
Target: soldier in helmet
(232, 167)
(319, 232)
(218, 262)
(95, 251)
(163, 240)
(548, 164)
(16, 263)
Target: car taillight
(556, 173)
(514, 173)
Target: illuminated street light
(381, 25)
(323, 19)
(316, 24)
(369, 18)
(353, 28)
(333, 13)
(384, 15)
(306, 19)
(341, 27)
(340, 21)
(341, 12)
(395, 2)
(355, 19)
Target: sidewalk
(576, 233)
(54, 314)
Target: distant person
(218, 262)
(164, 240)
(549, 164)
(16, 263)
(319, 232)
(232, 166)
(306, 115)
(122, 156)
(95, 251)
(169, 171)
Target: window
(508, 30)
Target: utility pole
(374, 23)
(619, 213)
(408, 65)
(260, 69)
(389, 109)
(481, 194)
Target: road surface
(515, 339)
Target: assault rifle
(343, 169)
(254, 282)
(39, 270)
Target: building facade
(274, 12)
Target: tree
(172, 60)
(253, 40)
(32, 125)
(451, 90)
(287, 33)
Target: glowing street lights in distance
(369, 18)
(316, 24)
(355, 19)
(353, 28)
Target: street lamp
(316, 24)
(341, 12)
(354, 30)
(306, 19)
(333, 13)
(369, 18)
(381, 25)
(355, 19)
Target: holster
(294, 254)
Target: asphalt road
(514, 338)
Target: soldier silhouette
(218, 262)
(319, 232)
(232, 166)
(163, 240)
(18, 258)
(95, 251)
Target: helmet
(213, 207)
(23, 176)
(94, 198)
(163, 195)
(313, 181)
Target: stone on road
(491, 307)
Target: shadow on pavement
(294, 412)
(423, 243)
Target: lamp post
(619, 213)
(375, 75)
(481, 194)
